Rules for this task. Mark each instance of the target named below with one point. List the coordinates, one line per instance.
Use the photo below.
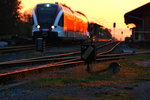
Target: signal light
(114, 25)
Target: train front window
(61, 21)
(46, 15)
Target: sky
(104, 12)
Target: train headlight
(47, 5)
(37, 26)
(53, 27)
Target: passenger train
(58, 21)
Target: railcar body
(55, 21)
(98, 31)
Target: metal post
(89, 67)
(88, 54)
(114, 26)
(40, 44)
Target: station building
(140, 17)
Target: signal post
(88, 52)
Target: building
(141, 18)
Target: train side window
(61, 21)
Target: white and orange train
(57, 21)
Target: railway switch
(88, 53)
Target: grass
(50, 82)
(139, 57)
(6, 93)
(129, 87)
(100, 95)
(114, 95)
(37, 53)
(99, 77)
(67, 98)
(1, 85)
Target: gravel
(26, 92)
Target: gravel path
(142, 91)
(25, 92)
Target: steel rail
(14, 47)
(46, 58)
(35, 61)
(19, 48)
(124, 54)
(108, 51)
(104, 45)
(38, 59)
(39, 67)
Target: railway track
(21, 48)
(53, 58)
(58, 60)
(16, 48)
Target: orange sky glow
(104, 12)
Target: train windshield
(46, 15)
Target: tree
(9, 16)
(26, 24)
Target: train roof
(55, 4)
(62, 6)
(81, 13)
(46, 4)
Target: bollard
(40, 44)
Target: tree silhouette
(25, 24)
(9, 16)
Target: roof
(137, 14)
